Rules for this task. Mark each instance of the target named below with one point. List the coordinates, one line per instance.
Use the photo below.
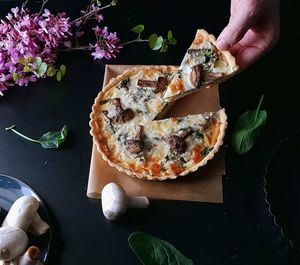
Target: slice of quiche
(202, 65)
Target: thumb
(234, 31)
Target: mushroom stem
(38, 226)
(30, 257)
(22, 212)
(137, 202)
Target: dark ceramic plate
(10, 190)
(283, 188)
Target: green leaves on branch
(39, 68)
(154, 251)
(159, 43)
(59, 73)
(49, 140)
(248, 128)
(155, 42)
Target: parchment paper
(204, 185)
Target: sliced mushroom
(135, 146)
(13, 242)
(211, 77)
(146, 83)
(196, 76)
(161, 84)
(177, 143)
(192, 51)
(115, 202)
(119, 115)
(124, 116)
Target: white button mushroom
(23, 214)
(115, 202)
(13, 242)
(30, 257)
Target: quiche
(203, 65)
(130, 134)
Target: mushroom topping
(177, 143)
(146, 83)
(209, 76)
(115, 202)
(23, 214)
(161, 84)
(30, 257)
(195, 75)
(13, 242)
(118, 114)
(135, 146)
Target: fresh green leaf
(52, 140)
(98, 2)
(23, 61)
(27, 69)
(114, 2)
(154, 251)
(41, 70)
(155, 42)
(15, 77)
(164, 46)
(37, 61)
(63, 69)
(51, 71)
(248, 128)
(49, 140)
(171, 39)
(138, 28)
(58, 76)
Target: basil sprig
(248, 128)
(49, 140)
(154, 251)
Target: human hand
(253, 29)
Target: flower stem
(42, 7)
(92, 12)
(133, 41)
(11, 128)
(79, 48)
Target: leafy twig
(49, 140)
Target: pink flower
(107, 44)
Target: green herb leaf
(171, 39)
(41, 70)
(154, 251)
(155, 42)
(27, 69)
(49, 140)
(248, 128)
(52, 140)
(114, 2)
(58, 76)
(138, 28)
(63, 69)
(23, 61)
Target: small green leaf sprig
(155, 42)
(248, 128)
(49, 140)
(154, 251)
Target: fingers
(234, 31)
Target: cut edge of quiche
(202, 66)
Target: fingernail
(222, 45)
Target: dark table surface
(239, 231)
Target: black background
(240, 231)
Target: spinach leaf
(154, 251)
(248, 128)
(49, 140)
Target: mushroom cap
(114, 201)
(13, 242)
